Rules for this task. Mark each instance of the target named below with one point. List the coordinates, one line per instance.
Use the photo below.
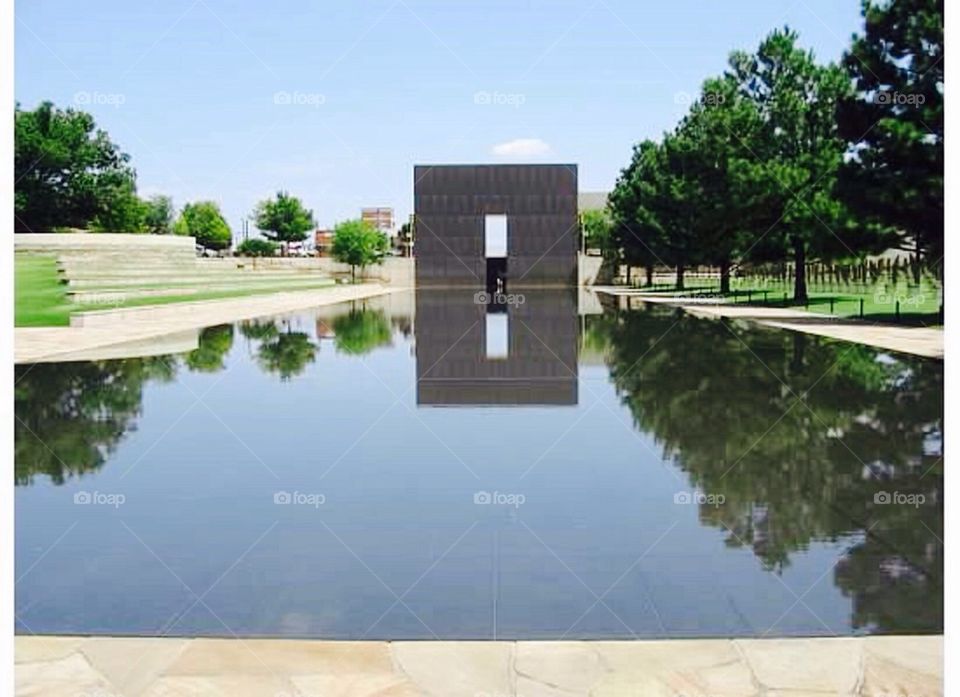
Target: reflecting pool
(447, 465)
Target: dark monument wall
(540, 201)
(541, 365)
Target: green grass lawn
(40, 299)
(918, 305)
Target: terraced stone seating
(105, 269)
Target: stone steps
(154, 281)
(112, 296)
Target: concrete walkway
(167, 667)
(919, 341)
(118, 333)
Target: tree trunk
(725, 277)
(916, 268)
(353, 274)
(799, 271)
(680, 270)
(799, 351)
(649, 275)
(628, 274)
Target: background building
(475, 223)
(381, 218)
(323, 242)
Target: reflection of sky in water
(204, 453)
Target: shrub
(256, 247)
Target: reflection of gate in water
(476, 348)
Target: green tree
(214, 345)
(656, 207)
(159, 214)
(71, 416)
(286, 353)
(893, 124)
(597, 228)
(204, 221)
(256, 247)
(358, 243)
(635, 234)
(800, 150)
(801, 453)
(66, 169)
(721, 167)
(121, 210)
(283, 218)
(361, 330)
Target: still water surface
(423, 466)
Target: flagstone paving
(176, 667)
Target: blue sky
(336, 102)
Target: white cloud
(522, 147)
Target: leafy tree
(158, 215)
(597, 228)
(361, 331)
(70, 416)
(286, 353)
(358, 243)
(257, 247)
(800, 454)
(721, 166)
(800, 150)
(214, 345)
(121, 210)
(283, 219)
(67, 171)
(258, 330)
(635, 233)
(893, 124)
(655, 206)
(204, 221)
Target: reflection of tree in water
(70, 416)
(361, 330)
(214, 344)
(280, 349)
(799, 434)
